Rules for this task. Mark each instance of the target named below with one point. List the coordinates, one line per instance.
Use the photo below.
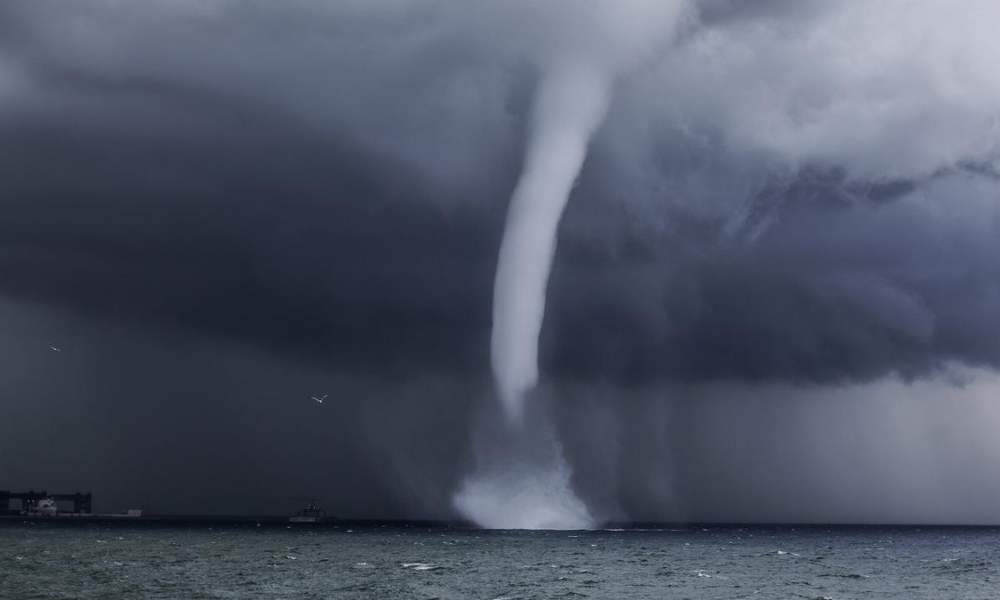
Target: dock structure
(82, 502)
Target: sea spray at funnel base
(522, 479)
(524, 495)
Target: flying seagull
(55, 349)
(321, 398)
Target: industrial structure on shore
(42, 503)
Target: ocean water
(46, 560)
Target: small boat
(312, 513)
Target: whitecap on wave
(419, 566)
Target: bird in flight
(55, 349)
(320, 399)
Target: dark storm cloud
(276, 177)
(289, 259)
(836, 287)
(243, 225)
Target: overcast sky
(778, 272)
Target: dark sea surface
(83, 561)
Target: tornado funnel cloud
(570, 105)
(523, 480)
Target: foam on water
(419, 566)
